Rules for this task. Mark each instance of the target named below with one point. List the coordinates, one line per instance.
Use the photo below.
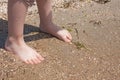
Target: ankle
(17, 40)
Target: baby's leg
(15, 42)
(46, 24)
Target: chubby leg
(15, 42)
(46, 24)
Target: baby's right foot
(24, 52)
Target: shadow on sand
(101, 1)
(27, 30)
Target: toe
(66, 39)
(30, 61)
(26, 61)
(36, 60)
(65, 35)
(69, 36)
(39, 57)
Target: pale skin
(16, 18)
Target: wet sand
(94, 54)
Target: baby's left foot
(57, 32)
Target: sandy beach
(93, 55)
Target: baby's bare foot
(24, 52)
(57, 32)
